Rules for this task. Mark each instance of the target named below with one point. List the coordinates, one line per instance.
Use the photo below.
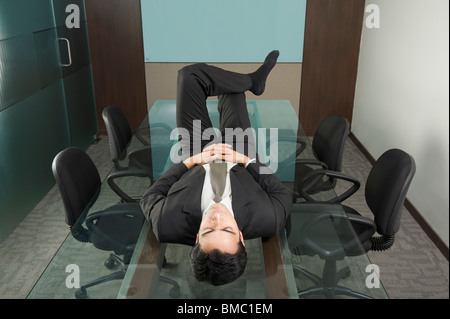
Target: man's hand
(214, 152)
(235, 157)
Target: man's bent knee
(190, 70)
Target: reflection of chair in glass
(328, 147)
(120, 135)
(385, 192)
(140, 158)
(115, 228)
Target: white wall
(402, 97)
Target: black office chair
(115, 228)
(385, 192)
(120, 135)
(328, 147)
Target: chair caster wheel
(344, 273)
(110, 263)
(81, 293)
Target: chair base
(112, 262)
(329, 285)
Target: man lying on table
(183, 205)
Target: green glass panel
(47, 55)
(37, 104)
(19, 17)
(19, 74)
(81, 111)
(32, 132)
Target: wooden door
(117, 55)
(330, 60)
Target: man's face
(219, 230)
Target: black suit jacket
(172, 205)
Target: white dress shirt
(208, 194)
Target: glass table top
(278, 268)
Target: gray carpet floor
(412, 269)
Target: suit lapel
(195, 180)
(191, 208)
(240, 195)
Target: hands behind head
(219, 151)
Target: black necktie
(218, 174)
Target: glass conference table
(277, 268)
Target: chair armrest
(123, 209)
(301, 145)
(301, 148)
(138, 149)
(138, 134)
(139, 161)
(305, 161)
(369, 225)
(120, 174)
(362, 220)
(312, 177)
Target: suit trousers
(195, 84)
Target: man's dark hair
(217, 267)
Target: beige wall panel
(283, 82)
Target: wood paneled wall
(330, 60)
(117, 55)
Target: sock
(259, 76)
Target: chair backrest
(119, 131)
(329, 140)
(386, 188)
(78, 181)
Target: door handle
(68, 51)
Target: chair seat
(321, 232)
(118, 232)
(324, 234)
